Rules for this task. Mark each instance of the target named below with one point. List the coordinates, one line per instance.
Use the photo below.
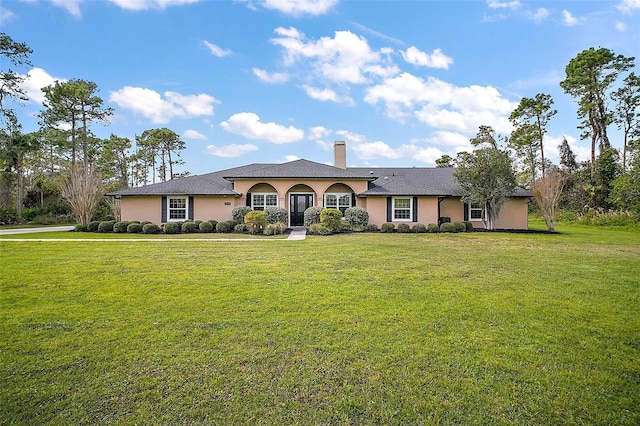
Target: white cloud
(193, 134)
(291, 157)
(150, 4)
(326, 95)
(248, 124)
(569, 20)
(216, 50)
(318, 132)
(6, 15)
(437, 59)
(539, 15)
(495, 4)
(450, 139)
(442, 105)
(627, 6)
(71, 6)
(274, 78)
(621, 26)
(231, 151)
(35, 80)
(551, 143)
(300, 7)
(151, 105)
(345, 58)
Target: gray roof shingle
(384, 181)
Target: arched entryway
(301, 197)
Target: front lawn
(476, 328)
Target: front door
(298, 203)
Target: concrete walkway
(296, 234)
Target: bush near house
(319, 229)
(93, 226)
(189, 227)
(150, 228)
(356, 217)
(459, 227)
(419, 228)
(312, 215)
(106, 226)
(372, 227)
(275, 228)
(404, 228)
(134, 228)
(238, 213)
(332, 219)
(255, 221)
(213, 223)
(387, 227)
(224, 227)
(468, 225)
(433, 228)
(172, 228)
(240, 228)
(120, 227)
(206, 227)
(276, 214)
(447, 227)
(81, 228)
(444, 219)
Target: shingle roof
(298, 169)
(385, 181)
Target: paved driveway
(33, 230)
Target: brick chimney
(340, 154)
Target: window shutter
(248, 203)
(415, 209)
(389, 215)
(190, 213)
(353, 199)
(163, 213)
(466, 211)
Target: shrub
(150, 228)
(189, 227)
(93, 226)
(459, 227)
(172, 228)
(419, 228)
(8, 216)
(468, 225)
(213, 223)
(433, 228)
(238, 213)
(447, 227)
(224, 227)
(372, 227)
(30, 213)
(387, 227)
(332, 219)
(120, 227)
(275, 228)
(46, 220)
(134, 228)
(81, 228)
(276, 214)
(206, 227)
(356, 217)
(255, 221)
(197, 222)
(404, 228)
(312, 215)
(106, 226)
(444, 219)
(240, 228)
(234, 222)
(319, 229)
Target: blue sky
(402, 82)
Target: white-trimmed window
(402, 208)
(259, 201)
(177, 208)
(337, 201)
(475, 211)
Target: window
(475, 211)
(261, 200)
(402, 207)
(177, 208)
(337, 201)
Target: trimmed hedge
(93, 226)
(447, 227)
(275, 228)
(224, 227)
(433, 228)
(459, 227)
(468, 225)
(120, 227)
(387, 227)
(189, 227)
(419, 228)
(276, 214)
(404, 228)
(238, 213)
(332, 219)
(150, 228)
(134, 228)
(172, 228)
(206, 227)
(106, 226)
(356, 217)
(312, 215)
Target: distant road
(33, 230)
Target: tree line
(63, 163)
(607, 93)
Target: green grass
(352, 329)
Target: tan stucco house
(399, 195)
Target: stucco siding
(513, 215)
(212, 207)
(141, 208)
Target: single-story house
(399, 195)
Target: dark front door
(298, 204)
